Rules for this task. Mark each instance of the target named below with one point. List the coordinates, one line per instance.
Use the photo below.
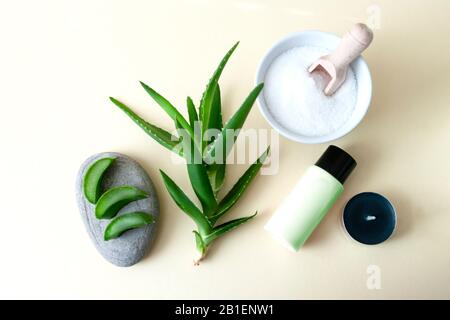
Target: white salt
(295, 97)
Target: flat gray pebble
(133, 245)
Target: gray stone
(133, 245)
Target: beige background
(60, 60)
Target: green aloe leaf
(216, 113)
(221, 147)
(201, 247)
(207, 102)
(238, 189)
(193, 120)
(216, 175)
(197, 174)
(168, 108)
(161, 136)
(185, 204)
(224, 228)
(193, 117)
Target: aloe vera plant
(205, 155)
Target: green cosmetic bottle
(311, 199)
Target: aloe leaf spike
(224, 228)
(161, 136)
(220, 148)
(207, 101)
(168, 108)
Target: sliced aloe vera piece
(125, 222)
(93, 179)
(115, 199)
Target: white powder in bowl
(295, 97)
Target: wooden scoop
(336, 63)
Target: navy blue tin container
(369, 218)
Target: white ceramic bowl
(328, 41)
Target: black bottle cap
(337, 162)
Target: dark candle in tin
(369, 218)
